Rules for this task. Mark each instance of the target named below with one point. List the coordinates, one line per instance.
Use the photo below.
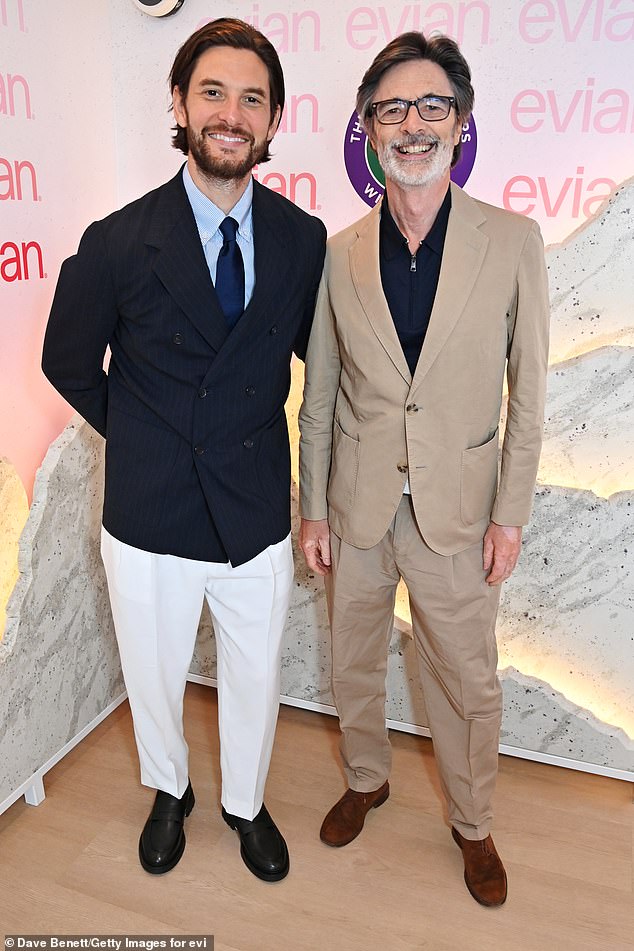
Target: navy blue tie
(230, 274)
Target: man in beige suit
(424, 304)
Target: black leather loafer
(262, 845)
(162, 841)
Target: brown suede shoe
(345, 820)
(483, 870)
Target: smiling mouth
(222, 137)
(229, 136)
(418, 148)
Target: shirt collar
(209, 217)
(392, 241)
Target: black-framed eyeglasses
(429, 108)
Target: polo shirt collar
(392, 241)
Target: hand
(314, 541)
(500, 551)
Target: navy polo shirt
(410, 280)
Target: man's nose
(412, 123)
(230, 110)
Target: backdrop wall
(85, 128)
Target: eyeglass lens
(431, 108)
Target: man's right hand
(314, 541)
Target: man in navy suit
(202, 289)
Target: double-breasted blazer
(197, 452)
(367, 425)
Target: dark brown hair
(412, 46)
(225, 31)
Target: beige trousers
(453, 620)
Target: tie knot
(229, 228)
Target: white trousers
(156, 603)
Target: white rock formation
(59, 665)
(589, 432)
(591, 277)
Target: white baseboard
(547, 758)
(33, 788)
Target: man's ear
(274, 124)
(178, 106)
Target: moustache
(414, 140)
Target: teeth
(415, 149)
(226, 138)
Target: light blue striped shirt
(208, 219)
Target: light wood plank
(71, 866)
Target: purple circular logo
(366, 175)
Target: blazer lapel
(365, 270)
(463, 254)
(180, 263)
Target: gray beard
(406, 174)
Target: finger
(487, 554)
(325, 551)
(497, 573)
(314, 559)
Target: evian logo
(366, 175)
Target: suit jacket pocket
(344, 469)
(478, 480)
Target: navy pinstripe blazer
(197, 452)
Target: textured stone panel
(59, 665)
(567, 612)
(589, 432)
(590, 277)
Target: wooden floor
(70, 866)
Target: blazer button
(273, 330)
(412, 408)
(199, 450)
(248, 444)
(401, 467)
(202, 392)
(177, 339)
(250, 391)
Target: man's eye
(393, 110)
(212, 93)
(252, 101)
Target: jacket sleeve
(527, 365)
(323, 368)
(80, 325)
(301, 341)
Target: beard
(228, 168)
(430, 171)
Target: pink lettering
(524, 194)
(539, 20)
(14, 265)
(11, 180)
(521, 107)
(367, 25)
(361, 20)
(16, 8)
(8, 86)
(288, 186)
(582, 110)
(512, 194)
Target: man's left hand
(500, 551)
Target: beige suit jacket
(367, 426)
